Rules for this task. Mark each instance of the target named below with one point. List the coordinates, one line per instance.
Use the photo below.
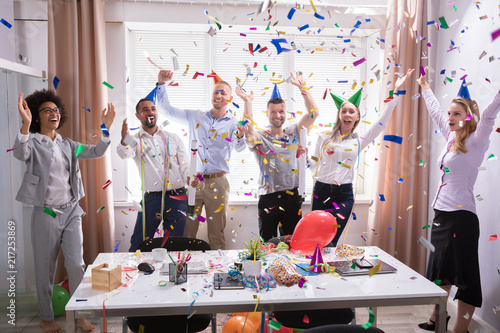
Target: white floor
(400, 319)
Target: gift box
(105, 278)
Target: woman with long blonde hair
(455, 229)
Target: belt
(213, 174)
(169, 192)
(71, 203)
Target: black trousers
(324, 197)
(279, 209)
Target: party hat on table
(316, 260)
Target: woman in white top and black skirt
(336, 153)
(455, 229)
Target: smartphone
(363, 263)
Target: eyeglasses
(48, 110)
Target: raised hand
(109, 116)
(244, 96)
(422, 80)
(125, 131)
(25, 113)
(165, 75)
(401, 80)
(298, 80)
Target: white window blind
(227, 54)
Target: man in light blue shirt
(216, 132)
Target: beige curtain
(404, 210)
(77, 56)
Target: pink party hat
(316, 260)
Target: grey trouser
(48, 234)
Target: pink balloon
(316, 227)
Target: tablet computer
(360, 266)
(224, 281)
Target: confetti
(7, 24)
(442, 20)
(375, 269)
(108, 182)
(79, 149)
(359, 62)
(50, 212)
(100, 208)
(393, 138)
(55, 82)
(381, 196)
(426, 243)
(495, 34)
(290, 13)
(493, 237)
(492, 157)
(108, 85)
(220, 208)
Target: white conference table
(142, 295)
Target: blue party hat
(276, 92)
(152, 95)
(464, 91)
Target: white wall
(465, 60)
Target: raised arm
(162, 99)
(377, 128)
(312, 109)
(488, 117)
(123, 149)
(433, 106)
(248, 128)
(22, 151)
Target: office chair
(175, 324)
(174, 243)
(343, 329)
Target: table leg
(214, 323)
(441, 315)
(70, 322)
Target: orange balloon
(237, 325)
(316, 227)
(254, 317)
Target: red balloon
(65, 285)
(235, 325)
(316, 227)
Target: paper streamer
(426, 243)
(104, 130)
(371, 319)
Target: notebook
(361, 267)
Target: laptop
(360, 267)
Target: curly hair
(36, 99)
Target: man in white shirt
(161, 159)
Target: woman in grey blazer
(52, 183)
